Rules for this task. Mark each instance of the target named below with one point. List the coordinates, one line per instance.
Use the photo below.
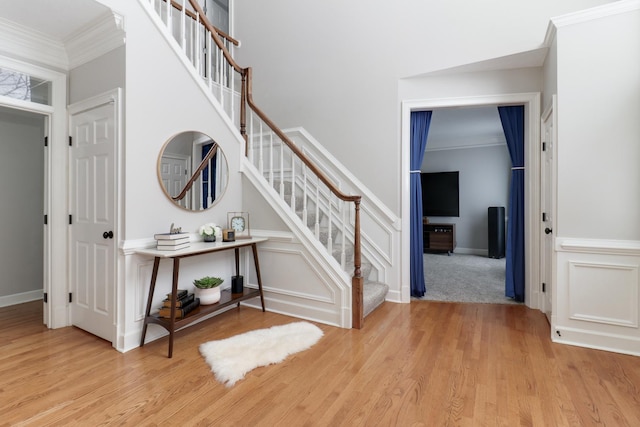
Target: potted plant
(210, 231)
(208, 289)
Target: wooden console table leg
(152, 288)
(254, 247)
(174, 298)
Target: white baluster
(260, 152)
(343, 226)
(329, 225)
(271, 159)
(250, 149)
(222, 67)
(183, 23)
(304, 195)
(281, 169)
(197, 50)
(208, 64)
(232, 98)
(293, 182)
(169, 20)
(317, 225)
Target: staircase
(314, 217)
(324, 216)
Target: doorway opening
(531, 102)
(22, 185)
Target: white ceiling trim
(30, 45)
(95, 39)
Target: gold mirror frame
(184, 170)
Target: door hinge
(70, 297)
(45, 297)
(544, 287)
(70, 141)
(544, 146)
(46, 141)
(70, 219)
(544, 216)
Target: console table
(226, 299)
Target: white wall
(333, 67)
(598, 85)
(597, 282)
(22, 206)
(98, 76)
(483, 182)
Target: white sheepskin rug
(231, 358)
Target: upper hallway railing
(301, 185)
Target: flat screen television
(440, 194)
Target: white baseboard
(23, 297)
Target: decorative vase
(208, 296)
(209, 238)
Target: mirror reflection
(192, 170)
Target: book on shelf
(165, 312)
(173, 242)
(173, 247)
(170, 236)
(181, 293)
(181, 302)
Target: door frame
(550, 113)
(55, 312)
(114, 98)
(531, 102)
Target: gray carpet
(464, 278)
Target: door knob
(107, 235)
(547, 230)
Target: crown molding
(95, 39)
(610, 9)
(31, 45)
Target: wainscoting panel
(604, 293)
(596, 300)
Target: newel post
(357, 282)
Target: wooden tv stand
(438, 237)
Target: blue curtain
(420, 121)
(512, 119)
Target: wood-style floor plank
(419, 364)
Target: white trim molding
(531, 101)
(597, 297)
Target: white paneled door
(93, 220)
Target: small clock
(239, 223)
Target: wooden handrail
(194, 176)
(193, 16)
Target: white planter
(208, 296)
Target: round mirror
(192, 170)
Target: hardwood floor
(425, 363)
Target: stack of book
(172, 241)
(186, 302)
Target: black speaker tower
(496, 232)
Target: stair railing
(313, 195)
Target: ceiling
(464, 127)
(58, 19)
